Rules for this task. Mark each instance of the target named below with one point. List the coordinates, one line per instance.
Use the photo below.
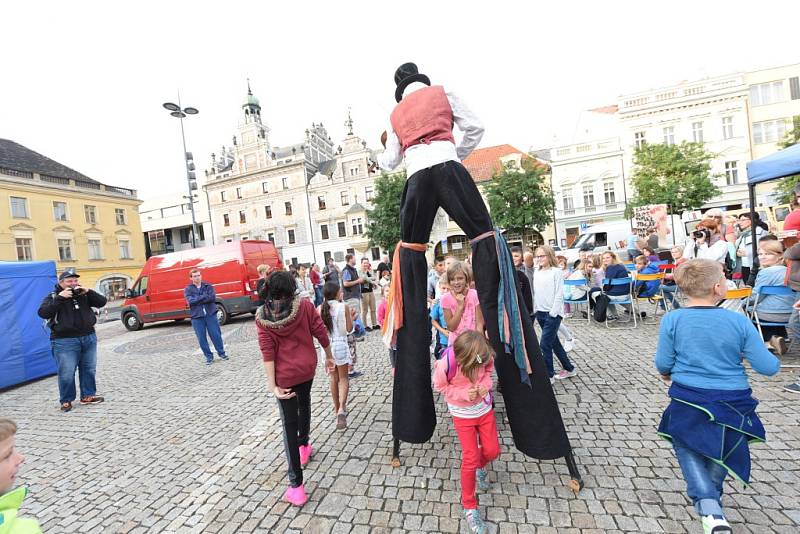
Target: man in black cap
(69, 314)
(421, 133)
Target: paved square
(181, 447)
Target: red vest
(423, 116)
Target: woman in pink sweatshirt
(464, 376)
(285, 325)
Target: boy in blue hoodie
(711, 418)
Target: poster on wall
(652, 217)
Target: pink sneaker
(305, 453)
(296, 496)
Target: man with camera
(69, 314)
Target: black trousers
(296, 418)
(536, 424)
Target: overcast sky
(83, 82)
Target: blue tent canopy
(785, 162)
(25, 352)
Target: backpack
(601, 307)
(449, 357)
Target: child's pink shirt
(382, 312)
(449, 302)
(456, 392)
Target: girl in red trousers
(464, 376)
(286, 324)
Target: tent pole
(754, 242)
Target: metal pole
(188, 183)
(310, 223)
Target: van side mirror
(129, 293)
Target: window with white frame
(342, 228)
(24, 248)
(271, 237)
(19, 208)
(64, 249)
(290, 236)
(268, 211)
(323, 230)
(264, 187)
(288, 207)
(731, 173)
(321, 202)
(358, 227)
(125, 249)
(639, 140)
(767, 93)
(59, 211)
(222, 196)
(669, 135)
(95, 253)
(727, 127)
(119, 214)
(285, 182)
(345, 198)
(569, 201)
(608, 193)
(90, 213)
(769, 131)
(226, 219)
(697, 132)
(588, 197)
(238, 192)
(369, 193)
(242, 217)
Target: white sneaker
(715, 524)
(569, 344)
(552, 380)
(562, 374)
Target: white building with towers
(308, 198)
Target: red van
(157, 295)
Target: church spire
(349, 123)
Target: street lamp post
(310, 223)
(176, 111)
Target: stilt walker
(422, 133)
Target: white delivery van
(601, 237)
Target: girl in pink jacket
(464, 376)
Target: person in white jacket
(698, 244)
(548, 306)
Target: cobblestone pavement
(181, 447)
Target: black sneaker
(355, 374)
(794, 388)
(223, 357)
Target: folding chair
(736, 300)
(655, 299)
(628, 300)
(630, 266)
(584, 300)
(762, 292)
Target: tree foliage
(520, 199)
(786, 186)
(675, 175)
(383, 220)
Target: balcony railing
(593, 210)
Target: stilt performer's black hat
(406, 74)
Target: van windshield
(592, 240)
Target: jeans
(703, 477)
(669, 296)
(550, 343)
(793, 328)
(633, 252)
(75, 353)
(209, 324)
(318, 298)
(482, 429)
(296, 419)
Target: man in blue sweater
(711, 418)
(203, 305)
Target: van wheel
(222, 314)
(132, 322)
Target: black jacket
(64, 319)
(525, 288)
